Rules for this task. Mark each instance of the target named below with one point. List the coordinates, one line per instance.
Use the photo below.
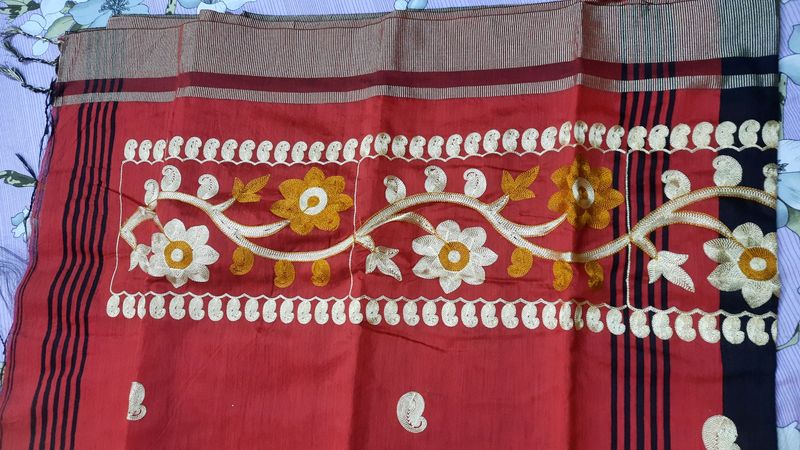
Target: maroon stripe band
(493, 77)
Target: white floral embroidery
(748, 263)
(453, 255)
(180, 254)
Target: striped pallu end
(545, 226)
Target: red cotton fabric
(547, 227)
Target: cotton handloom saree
(547, 226)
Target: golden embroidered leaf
(521, 262)
(562, 275)
(320, 273)
(519, 188)
(248, 193)
(242, 261)
(595, 272)
(284, 274)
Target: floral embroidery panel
(314, 245)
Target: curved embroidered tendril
(518, 234)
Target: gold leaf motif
(284, 274)
(521, 262)
(242, 261)
(248, 193)
(595, 272)
(562, 275)
(519, 188)
(320, 273)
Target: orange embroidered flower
(585, 194)
(313, 202)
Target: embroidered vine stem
(667, 214)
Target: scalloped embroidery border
(437, 148)
(566, 315)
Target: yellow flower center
(583, 192)
(178, 254)
(313, 201)
(454, 256)
(758, 264)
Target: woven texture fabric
(495, 234)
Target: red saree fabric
(544, 227)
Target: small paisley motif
(136, 409)
(409, 412)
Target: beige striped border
(477, 39)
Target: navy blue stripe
(745, 66)
(748, 390)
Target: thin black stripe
(613, 277)
(637, 294)
(654, 159)
(75, 259)
(53, 285)
(640, 282)
(92, 272)
(665, 381)
(83, 270)
(626, 313)
(95, 282)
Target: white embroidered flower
(453, 255)
(180, 254)
(749, 265)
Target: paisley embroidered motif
(719, 433)
(409, 412)
(136, 410)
